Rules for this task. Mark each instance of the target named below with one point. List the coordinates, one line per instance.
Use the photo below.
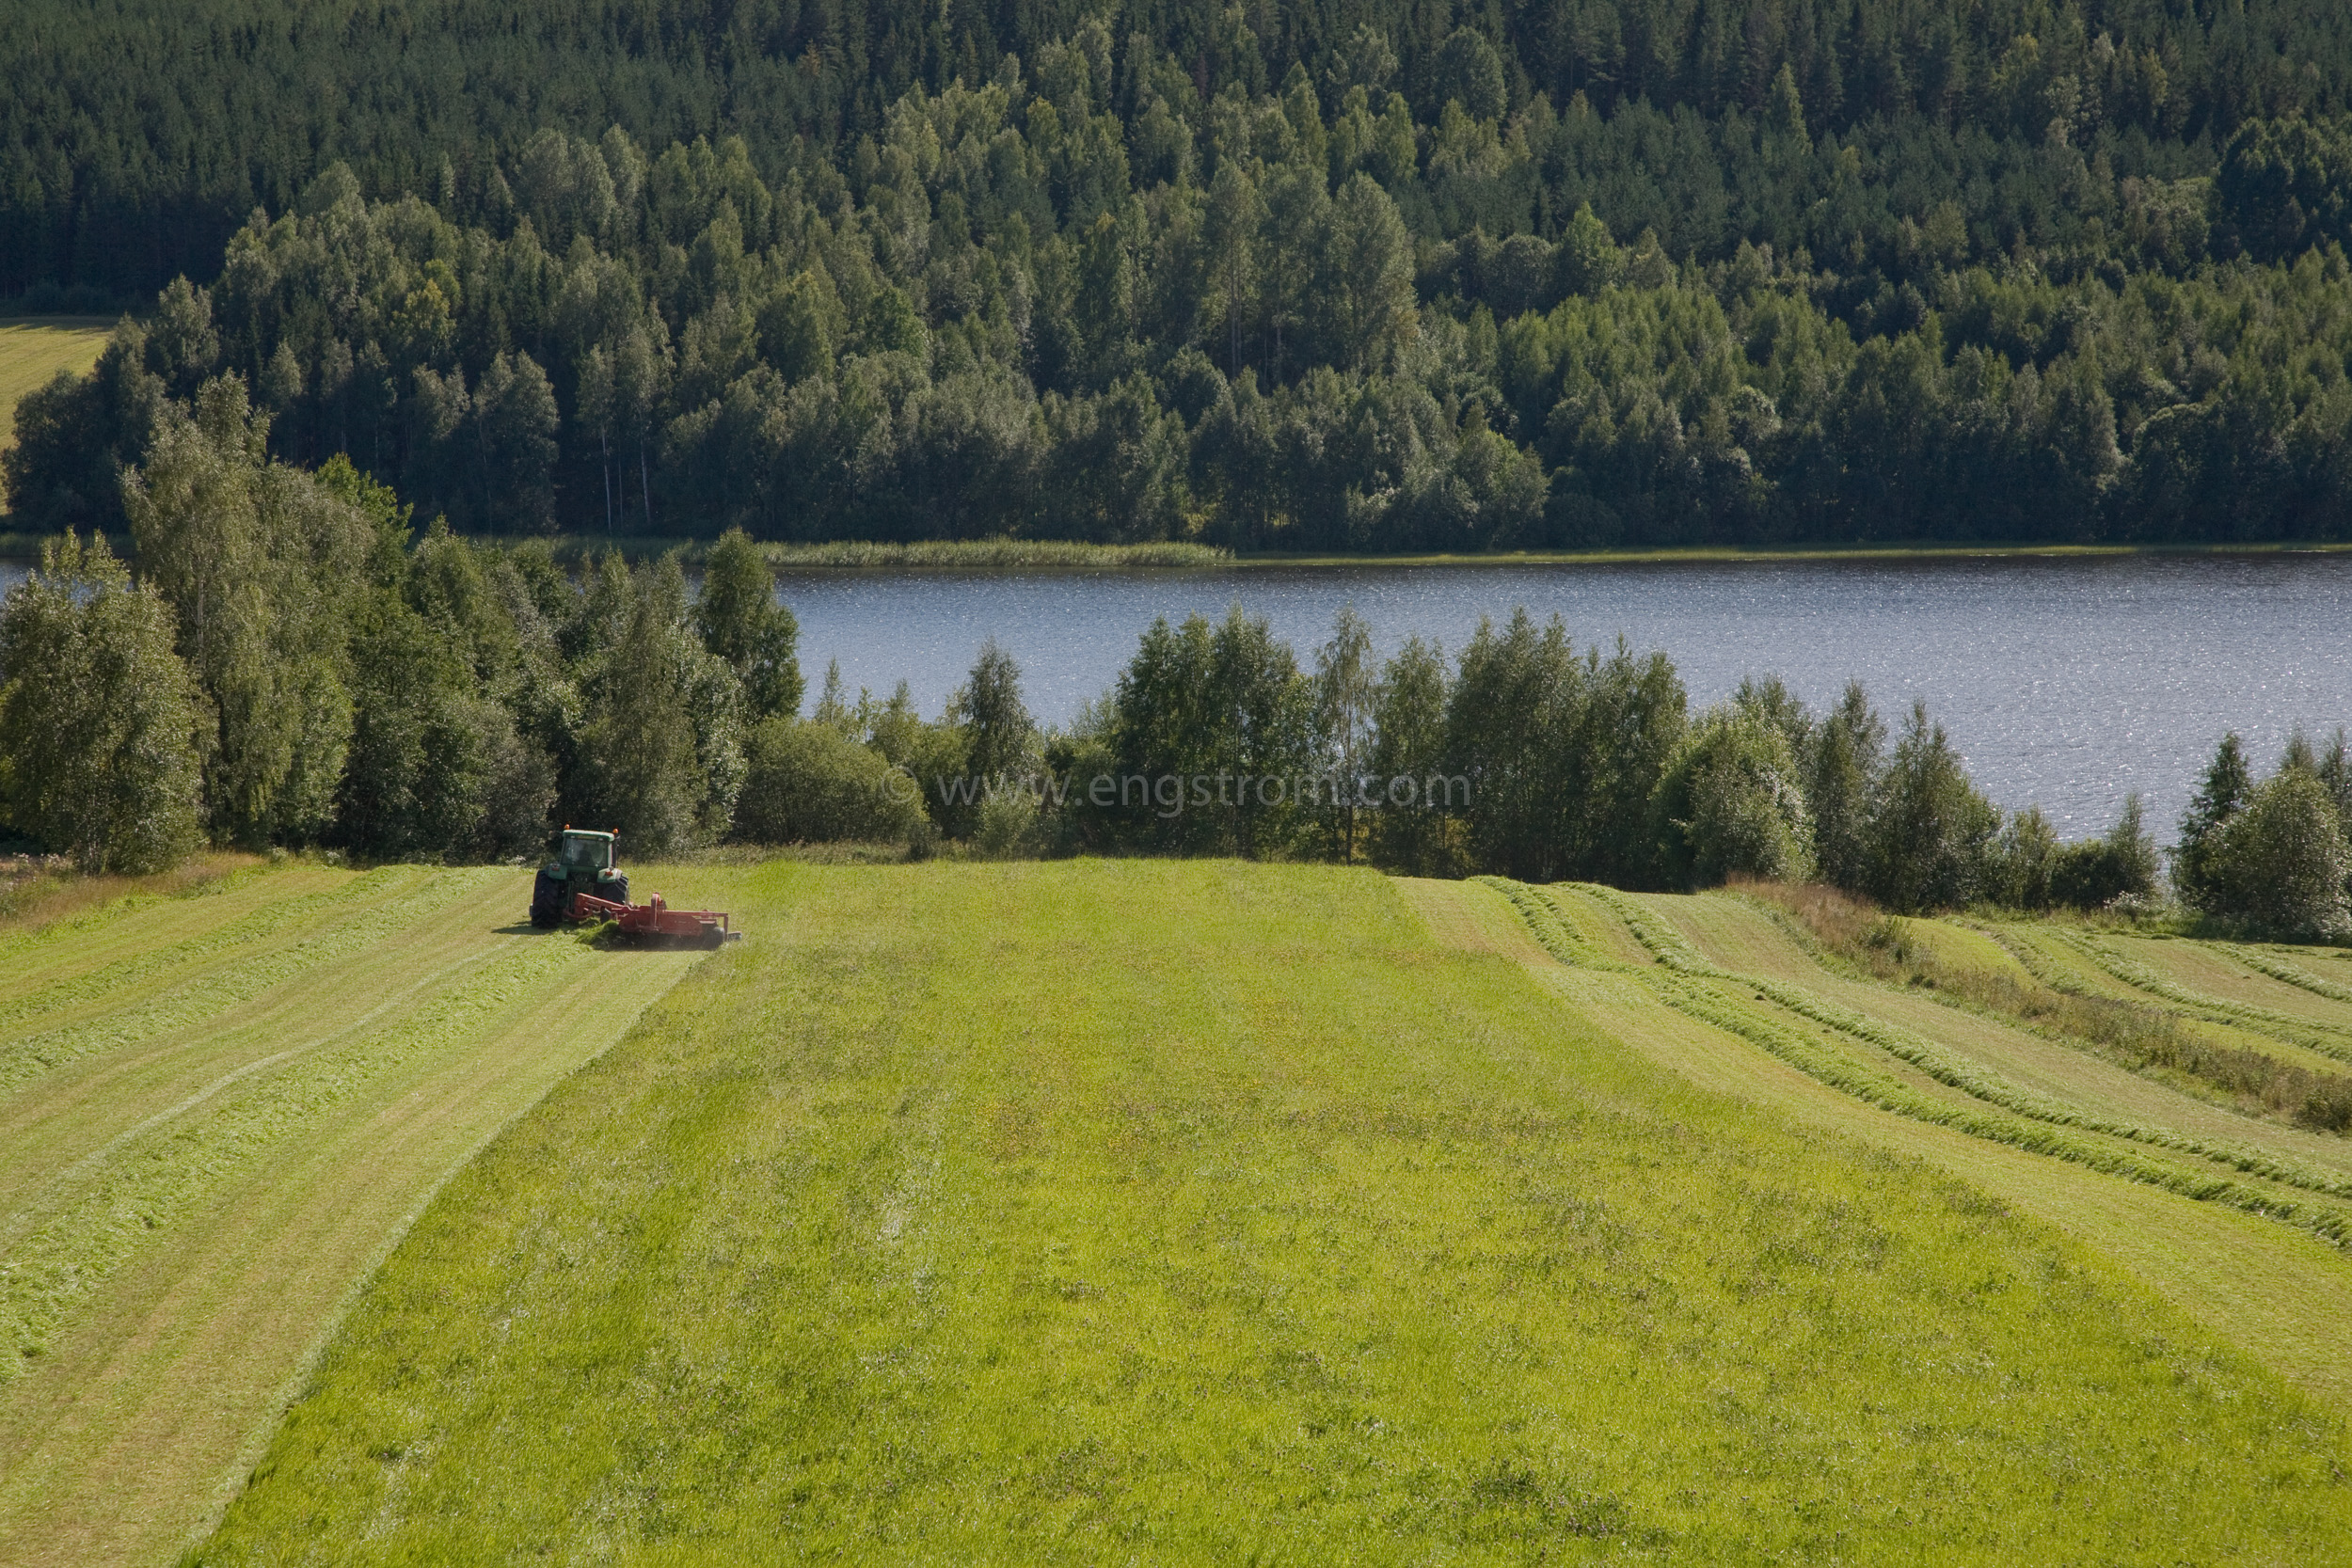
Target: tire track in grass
(214, 991)
(2023, 1120)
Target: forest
(296, 665)
(1379, 277)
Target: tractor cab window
(587, 854)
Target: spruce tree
(1409, 742)
(2219, 798)
(742, 621)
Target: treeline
(296, 666)
(1526, 756)
(1649, 276)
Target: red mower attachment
(656, 921)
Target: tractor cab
(583, 862)
(580, 850)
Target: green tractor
(583, 863)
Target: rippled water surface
(2067, 682)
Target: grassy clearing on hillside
(1193, 1210)
(33, 349)
(216, 1112)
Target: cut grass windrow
(1970, 1078)
(2281, 1026)
(1553, 929)
(2137, 1034)
(2035, 1123)
(149, 1185)
(216, 989)
(110, 979)
(2157, 1039)
(2279, 969)
(2185, 1002)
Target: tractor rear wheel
(548, 895)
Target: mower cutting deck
(654, 919)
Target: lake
(2066, 681)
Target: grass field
(35, 348)
(1203, 1211)
(217, 1112)
(2243, 1274)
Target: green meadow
(35, 348)
(1201, 1211)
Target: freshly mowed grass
(217, 1111)
(1203, 1211)
(2257, 1284)
(2279, 1295)
(1881, 1063)
(1744, 935)
(35, 348)
(2220, 971)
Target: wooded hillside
(1384, 276)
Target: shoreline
(1022, 555)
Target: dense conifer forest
(1374, 276)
